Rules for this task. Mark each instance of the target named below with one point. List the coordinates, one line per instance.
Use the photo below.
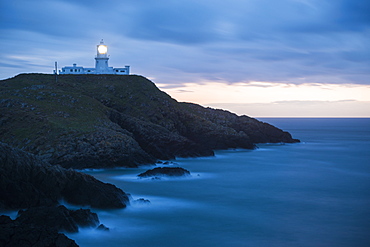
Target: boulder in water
(165, 171)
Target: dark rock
(142, 201)
(60, 218)
(84, 217)
(26, 181)
(105, 147)
(50, 217)
(84, 189)
(158, 141)
(4, 219)
(165, 171)
(14, 234)
(102, 227)
(238, 126)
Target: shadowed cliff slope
(108, 120)
(27, 181)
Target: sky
(261, 58)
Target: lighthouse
(101, 59)
(101, 64)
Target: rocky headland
(91, 121)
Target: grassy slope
(36, 106)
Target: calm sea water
(315, 193)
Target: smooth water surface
(314, 193)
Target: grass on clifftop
(35, 104)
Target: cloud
(173, 22)
(46, 17)
(354, 14)
(291, 41)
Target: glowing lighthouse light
(102, 49)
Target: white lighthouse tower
(101, 65)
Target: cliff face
(27, 181)
(107, 120)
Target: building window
(88, 71)
(71, 70)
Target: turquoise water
(315, 193)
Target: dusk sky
(289, 58)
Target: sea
(312, 193)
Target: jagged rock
(165, 171)
(158, 141)
(60, 218)
(26, 181)
(256, 131)
(141, 201)
(84, 217)
(102, 148)
(102, 228)
(14, 233)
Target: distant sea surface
(314, 193)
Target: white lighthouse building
(101, 65)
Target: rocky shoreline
(48, 129)
(27, 182)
